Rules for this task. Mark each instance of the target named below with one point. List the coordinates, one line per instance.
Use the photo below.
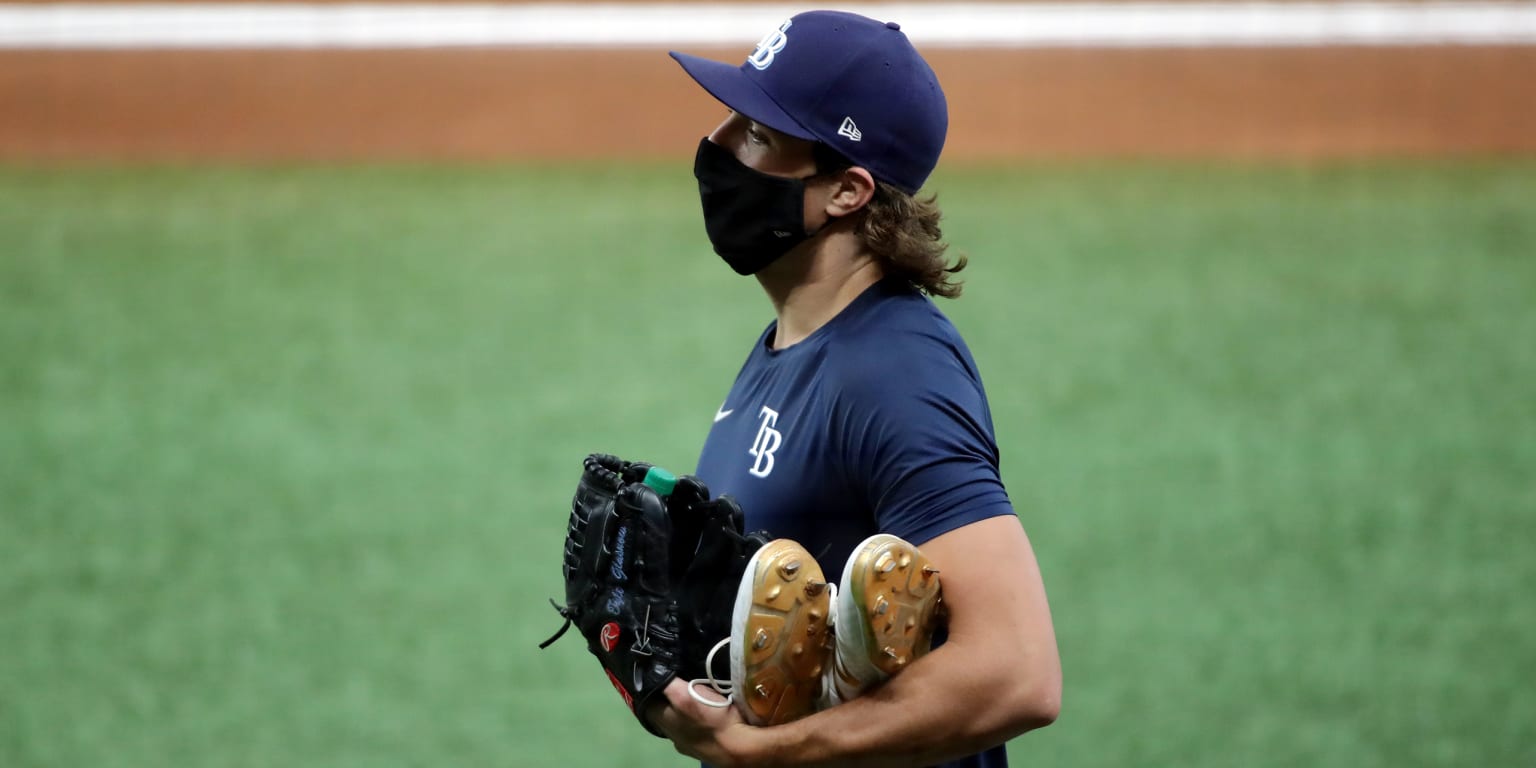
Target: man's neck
(809, 289)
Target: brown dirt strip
(487, 104)
(700, 3)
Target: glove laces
(723, 687)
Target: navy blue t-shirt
(876, 422)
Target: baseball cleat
(888, 606)
(780, 641)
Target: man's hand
(718, 736)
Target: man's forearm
(949, 704)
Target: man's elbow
(1036, 703)
(1040, 712)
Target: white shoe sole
(888, 607)
(780, 642)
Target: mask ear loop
(721, 687)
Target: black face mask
(752, 218)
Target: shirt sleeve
(918, 440)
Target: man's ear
(853, 189)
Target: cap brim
(736, 90)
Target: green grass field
(285, 454)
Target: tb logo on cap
(772, 43)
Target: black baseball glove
(618, 580)
(651, 569)
(709, 555)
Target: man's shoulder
(895, 312)
(901, 341)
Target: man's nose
(728, 130)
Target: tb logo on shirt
(768, 441)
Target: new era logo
(849, 129)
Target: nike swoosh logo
(722, 414)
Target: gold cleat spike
(930, 571)
(905, 560)
(760, 640)
(773, 592)
(813, 587)
(881, 605)
(789, 569)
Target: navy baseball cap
(847, 81)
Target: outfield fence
(412, 81)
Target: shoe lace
(723, 687)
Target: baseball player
(858, 428)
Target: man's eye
(756, 136)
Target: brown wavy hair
(903, 232)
